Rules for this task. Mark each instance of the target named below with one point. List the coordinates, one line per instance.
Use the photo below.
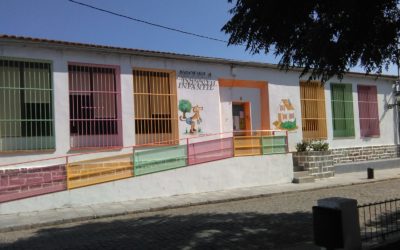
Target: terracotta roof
(288, 104)
(151, 53)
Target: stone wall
(318, 163)
(26, 182)
(357, 154)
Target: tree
(185, 106)
(324, 37)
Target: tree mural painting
(185, 106)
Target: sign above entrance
(195, 80)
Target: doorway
(241, 118)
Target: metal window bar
(95, 113)
(342, 110)
(313, 116)
(379, 220)
(368, 109)
(156, 120)
(26, 111)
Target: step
(298, 168)
(297, 174)
(304, 179)
(326, 174)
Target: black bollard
(370, 172)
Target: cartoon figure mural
(185, 106)
(286, 117)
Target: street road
(277, 222)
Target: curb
(190, 204)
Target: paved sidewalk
(58, 216)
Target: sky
(63, 20)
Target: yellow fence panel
(247, 145)
(85, 173)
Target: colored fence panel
(274, 144)
(87, 173)
(210, 150)
(160, 159)
(247, 145)
(27, 182)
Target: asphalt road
(276, 222)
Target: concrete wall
(281, 85)
(225, 174)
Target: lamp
(396, 95)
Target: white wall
(210, 115)
(238, 172)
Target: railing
(379, 220)
(66, 159)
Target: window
(368, 108)
(313, 118)
(26, 112)
(342, 110)
(156, 120)
(94, 106)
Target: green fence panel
(160, 159)
(273, 144)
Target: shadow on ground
(193, 231)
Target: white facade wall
(281, 85)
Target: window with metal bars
(156, 118)
(94, 106)
(313, 116)
(26, 110)
(342, 110)
(368, 110)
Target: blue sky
(63, 20)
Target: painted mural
(193, 120)
(286, 116)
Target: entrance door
(241, 118)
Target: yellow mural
(286, 116)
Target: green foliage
(326, 38)
(185, 105)
(319, 146)
(303, 146)
(313, 145)
(289, 125)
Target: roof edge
(159, 54)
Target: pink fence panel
(210, 150)
(27, 182)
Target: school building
(84, 123)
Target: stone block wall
(26, 182)
(317, 163)
(357, 154)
